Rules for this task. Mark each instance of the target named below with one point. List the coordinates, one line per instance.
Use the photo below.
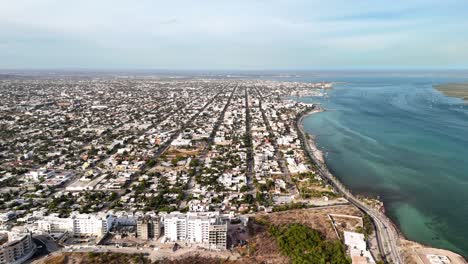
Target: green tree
(305, 245)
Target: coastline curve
(388, 237)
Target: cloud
(232, 34)
(169, 21)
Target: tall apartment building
(175, 227)
(55, 224)
(16, 248)
(149, 227)
(91, 224)
(208, 230)
(197, 229)
(217, 234)
(77, 224)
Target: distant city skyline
(233, 35)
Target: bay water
(393, 136)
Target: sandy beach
(459, 90)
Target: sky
(235, 34)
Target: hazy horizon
(240, 70)
(224, 35)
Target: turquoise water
(394, 136)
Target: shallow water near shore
(394, 136)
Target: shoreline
(309, 139)
(388, 235)
(454, 90)
(319, 155)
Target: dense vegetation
(195, 260)
(305, 245)
(368, 226)
(117, 258)
(290, 206)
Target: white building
(77, 224)
(232, 182)
(16, 247)
(55, 224)
(207, 229)
(175, 226)
(180, 142)
(197, 229)
(91, 224)
(357, 248)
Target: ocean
(393, 136)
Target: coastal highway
(387, 235)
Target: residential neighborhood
(162, 166)
(177, 159)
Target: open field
(459, 90)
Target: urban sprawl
(152, 164)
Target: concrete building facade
(77, 224)
(149, 227)
(217, 234)
(175, 227)
(16, 248)
(207, 230)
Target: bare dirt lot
(415, 253)
(315, 218)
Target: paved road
(202, 156)
(157, 110)
(220, 119)
(167, 144)
(387, 235)
(278, 154)
(248, 133)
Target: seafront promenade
(387, 234)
